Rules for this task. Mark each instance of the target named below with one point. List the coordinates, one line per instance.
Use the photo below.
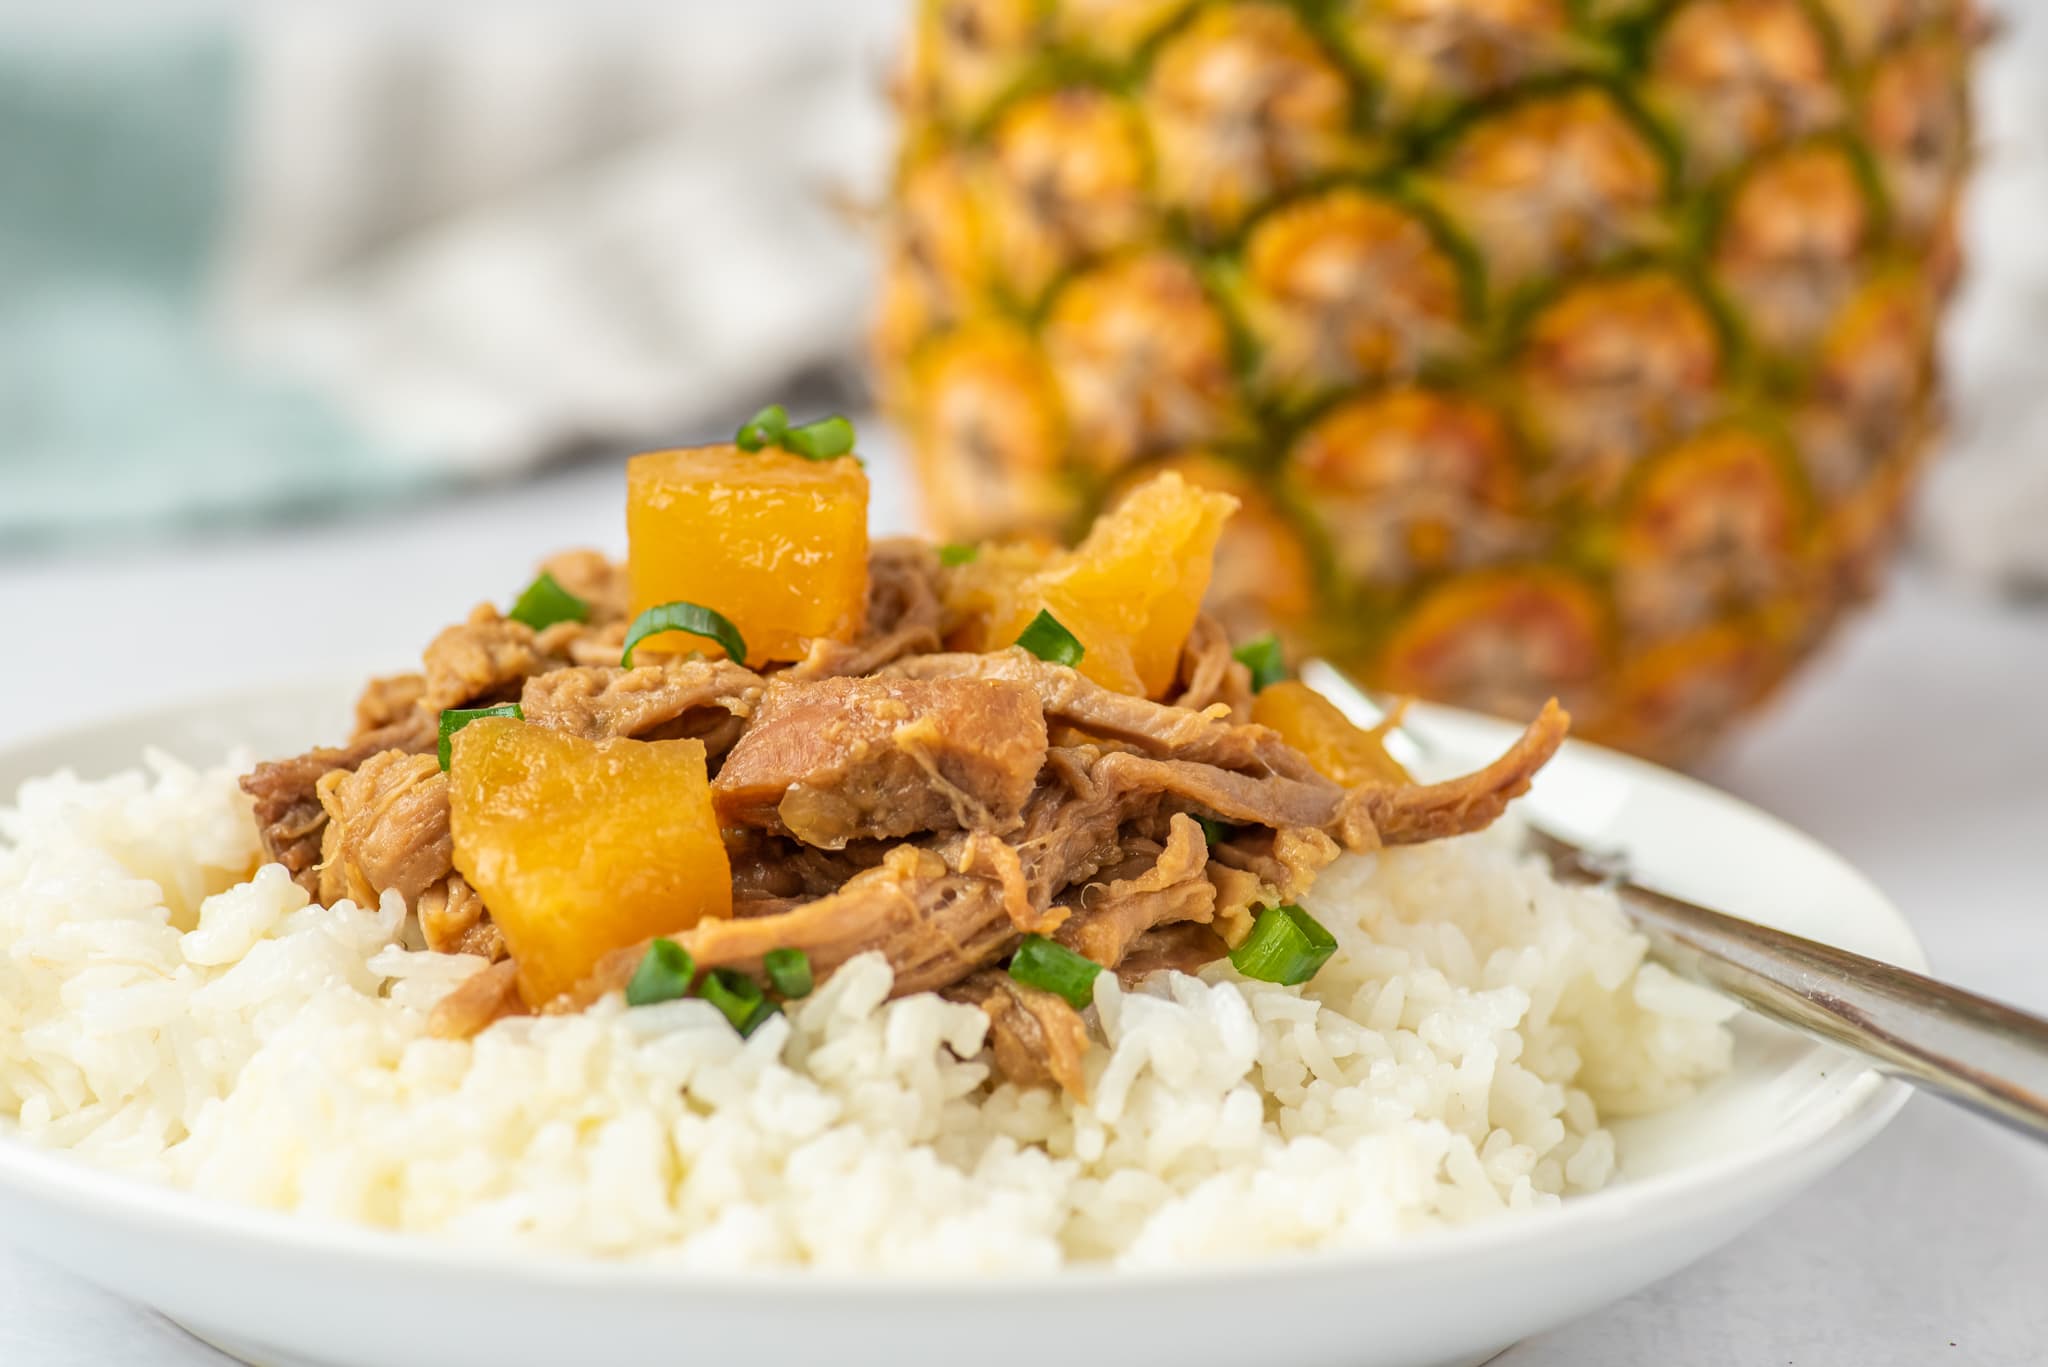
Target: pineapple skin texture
(1551, 347)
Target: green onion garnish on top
(738, 996)
(959, 553)
(546, 602)
(694, 618)
(1286, 946)
(1050, 641)
(663, 976)
(789, 972)
(455, 718)
(1263, 657)
(1040, 962)
(825, 439)
(765, 428)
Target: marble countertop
(1918, 747)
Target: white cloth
(255, 260)
(491, 241)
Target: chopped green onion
(789, 970)
(694, 618)
(1050, 641)
(959, 553)
(825, 439)
(1040, 962)
(1215, 832)
(1286, 946)
(455, 718)
(765, 428)
(664, 975)
(1264, 658)
(738, 996)
(546, 602)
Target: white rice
(165, 1013)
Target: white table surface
(1917, 747)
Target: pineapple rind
(1788, 168)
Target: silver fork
(1968, 1049)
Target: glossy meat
(838, 760)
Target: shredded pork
(881, 794)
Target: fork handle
(1972, 1050)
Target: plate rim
(1818, 1140)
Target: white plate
(279, 1289)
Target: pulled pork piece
(289, 816)
(936, 915)
(1411, 813)
(1075, 825)
(768, 868)
(577, 644)
(1172, 885)
(835, 760)
(483, 997)
(1183, 947)
(1269, 800)
(1036, 1037)
(903, 614)
(482, 661)
(1255, 868)
(387, 829)
(393, 698)
(1155, 728)
(706, 699)
(454, 920)
(597, 579)
(1210, 675)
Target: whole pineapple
(1554, 346)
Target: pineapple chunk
(986, 585)
(1129, 592)
(1314, 725)
(583, 847)
(775, 543)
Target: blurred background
(1619, 356)
(1690, 359)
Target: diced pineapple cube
(582, 847)
(1129, 592)
(1334, 745)
(775, 543)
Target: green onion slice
(694, 618)
(825, 439)
(546, 602)
(1040, 962)
(789, 972)
(1050, 641)
(1286, 946)
(959, 553)
(738, 996)
(765, 428)
(663, 976)
(1215, 832)
(455, 718)
(1264, 658)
